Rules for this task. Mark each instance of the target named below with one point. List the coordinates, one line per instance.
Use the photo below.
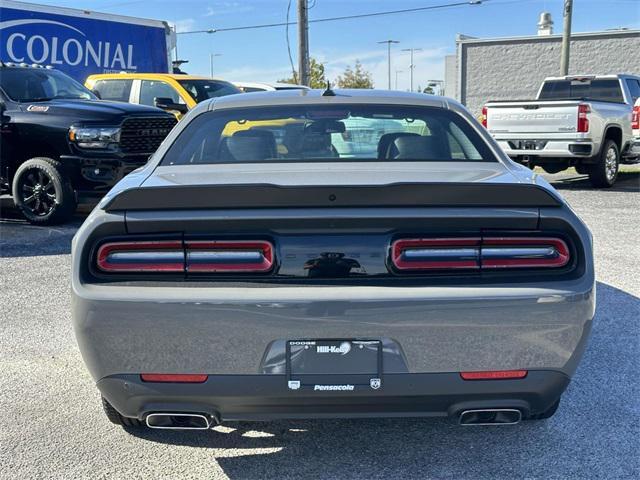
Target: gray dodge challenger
(338, 253)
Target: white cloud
(224, 8)
(183, 25)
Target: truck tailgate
(532, 117)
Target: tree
(357, 77)
(316, 77)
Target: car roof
(150, 76)
(316, 96)
(270, 86)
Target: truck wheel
(605, 171)
(42, 193)
(115, 417)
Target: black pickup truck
(61, 145)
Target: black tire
(604, 172)
(548, 413)
(115, 417)
(42, 193)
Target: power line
(345, 17)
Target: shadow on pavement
(590, 433)
(626, 182)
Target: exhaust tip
(492, 416)
(178, 421)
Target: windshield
(201, 90)
(577, 89)
(328, 134)
(38, 85)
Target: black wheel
(42, 193)
(115, 417)
(604, 173)
(548, 413)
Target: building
(513, 68)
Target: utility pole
(303, 42)
(566, 37)
(211, 55)
(411, 65)
(389, 42)
(397, 72)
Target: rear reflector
(174, 377)
(229, 256)
(494, 375)
(146, 256)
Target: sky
(261, 54)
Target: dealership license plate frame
(368, 376)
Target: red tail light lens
(212, 256)
(152, 256)
(533, 252)
(173, 377)
(484, 117)
(486, 253)
(494, 375)
(635, 118)
(436, 253)
(229, 256)
(583, 120)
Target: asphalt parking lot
(53, 426)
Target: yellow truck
(176, 93)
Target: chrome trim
(491, 410)
(518, 252)
(195, 415)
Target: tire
(116, 418)
(605, 171)
(42, 193)
(548, 413)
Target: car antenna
(328, 92)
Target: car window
(634, 88)
(253, 89)
(607, 90)
(201, 90)
(152, 89)
(116, 89)
(38, 84)
(328, 133)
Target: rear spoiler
(277, 196)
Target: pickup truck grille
(144, 135)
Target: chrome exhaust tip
(491, 416)
(178, 421)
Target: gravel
(53, 426)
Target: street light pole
(411, 65)
(211, 55)
(303, 42)
(397, 72)
(566, 37)
(389, 42)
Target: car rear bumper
(266, 397)
(553, 149)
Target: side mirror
(96, 93)
(167, 103)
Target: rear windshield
(201, 90)
(603, 90)
(328, 134)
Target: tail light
(160, 256)
(635, 118)
(483, 119)
(486, 253)
(229, 256)
(174, 377)
(211, 256)
(583, 120)
(494, 375)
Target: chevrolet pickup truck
(576, 121)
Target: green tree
(357, 77)
(317, 78)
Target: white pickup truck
(576, 121)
